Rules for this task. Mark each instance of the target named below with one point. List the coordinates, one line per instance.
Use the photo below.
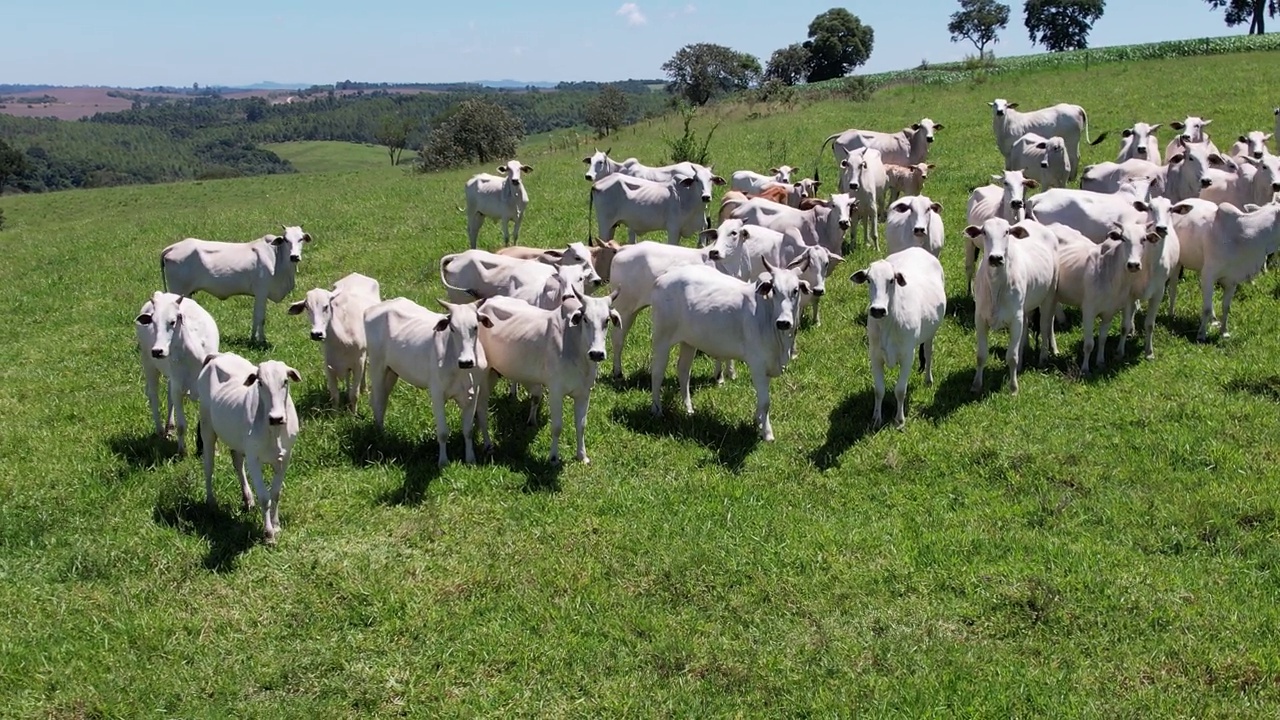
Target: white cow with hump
(677, 205)
(1004, 198)
(908, 146)
(1252, 144)
(1093, 214)
(1018, 274)
(1233, 251)
(473, 274)
(741, 250)
(337, 321)
(1063, 120)
(1138, 142)
(823, 225)
(749, 181)
(915, 221)
(908, 302)
(905, 179)
(265, 268)
(501, 198)
(249, 408)
(556, 351)
(600, 165)
(1042, 159)
(174, 336)
(1160, 258)
(437, 353)
(702, 309)
(1108, 177)
(1192, 129)
(862, 175)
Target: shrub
(685, 148)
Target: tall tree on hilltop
(1255, 12)
(978, 21)
(788, 65)
(606, 110)
(701, 71)
(1060, 25)
(838, 42)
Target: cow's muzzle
(819, 292)
(275, 419)
(878, 312)
(783, 324)
(596, 355)
(1015, 204)
(1257, 155)
(995, 260)
(157, 352)
(918, 232)
(844, 224)
(1206, 182)
(1134, 266)
(295, 258)
(317, 335)
(466, 364)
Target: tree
(701, 71)
(393, 134)
(1062, 24)
(978, 21)
(605, 111)
(838, 42)
(1254, 11)
(788, 65)
(12, 164)
(474, 130)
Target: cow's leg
(877, 381)
(1149, 326)
(1048, 336)
(1228, 292)
(684, 368)
(207, 440)
(970, 260)
(817, 319)
(442, 424)
(1086, 334)
(658, 369)
(264, 499)
(620, 338)
(246, 494)
(900, 390)
(506, 231)
(1013, 355)
(484, 386)
(259, 333)
(980, 327)
(556, 406)
(927, 349)
(535, 402)
(467, 403)
(151, 379)
(357, 383)
(474, 221)
(1104, 330)
(380, 386)
(761, 380)
(1172, 288)
(580, 404)
(1206, 305)
(331, 379)
(277, 485)
(176, 393)
(515, 231)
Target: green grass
(1103, 546)
(311, 156)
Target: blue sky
(178, 42)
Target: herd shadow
(144, 449)
(1266, 388)
(228, 534)
(314, 401)
(242, 342)
(731, 443)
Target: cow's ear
(143, 319)
(615, 318)
(834, 258)
(973, 231)
(484, 320)
(1141, 206)
(502, 168)
(900, 279)
(1181, 209)
(586, 160)
(1114, 235)
(1127, 132)
(1177, 125)
(298, 307)
(901, 207)
(805, 287)
(575, 317)
(764, 287)
(936, 207)
(276, 239)
(844, 163)
(1243, 139)
(687, 182)
(1018, 231)
(551, 257)
(1042, 146)
(1216, 159)
(442, 324)
(1028, 182)
(816, 183)
(930, 166)
(938, 126)
(253, 378)
(915, 126)
(1012, 106)
(306, 237)
(859, 277)
(526, 168)
(293, 375)
(1153, 128)
(1174, 159)
(717, 180)
(1152, 237)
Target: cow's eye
(173, 323)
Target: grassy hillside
(1095, 546)
(334, 156)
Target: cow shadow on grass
(417, 457)
(314, 402)
(229, 535)
(731, 443)
(512, 436)
(847, 424)
(143, 449)
(1266, 388)
(237, 343)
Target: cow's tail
(464, 291)
(1085, 117)
(591, 206)
(199, 439)
(164, 281)
(818, 160)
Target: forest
(198, 137)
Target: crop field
(335, 156)
(1095, 546)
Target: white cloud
(632, 13)
(690, 9)
(517, 50)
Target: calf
(1096, 277)
(553, 349)
(174, 336)
(1139, 143)
(823, 225)
(499, 198)
(862, 173)
(749, 181)
(250, 409)
(1159, 259)
(435, 352)
(600, 165)
(1092, 214)
(1042, 159)
(475, 274)
(915, 221)
(1016, 277)
(337, 321)
(1006, 199)
(265, 268)
(644, 206)
(905, 180)
(724, 317)
(908, 303)
(1107, 177)
(1250, 145)
(1063, 120)
(1236, 251)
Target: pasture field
(311, 156)
(1100, 546)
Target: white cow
(915, 221)
(174, 336)
(823, 225)
(1159, 260)
(1005, 198)
(1189, 167)
(1092, 214)
(1063, 120)
(1252, 144)
(1097, 278)
(1190, 130)
(908, 146)
(1236, 251)
(749, 181)
(862, 175)
(501, 198)
(703, 309)
(265, 268)
(677, 206)
(250, 409)
(741, 249)
(1042, 159)
(600, 165)
(1193, 220)
(435, 352)
(337, 320)
(906, 179)
(475, 274)
(1019, 274)
(556, 350)
(908, 303)
(599, 257)
(1265, 182)
(1139, 143)
(1107, 177)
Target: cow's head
(272, 379)
(815, 265)
(697, 178)
(1268, 166)
(999, 106)
(1140, 137)
(782, 173)
(859, 170)
(995, 234)
(591, 316)
(290, 242)
(463, 322)
(919, 212)
(1255, 143)
(1014, 196)
(1131, 236)
(1055, 155)
(575, 253)
(165, 317)
(883, 280)
(808, 187)
(598, 165)
(318, 305)
(782, 286)
(725, 244)
(1198, 160)
(514, 170)
(842, 206)
(1159, 215)
(602, 253)
(928, 127)
(1192, 128)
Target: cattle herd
(529, 315)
